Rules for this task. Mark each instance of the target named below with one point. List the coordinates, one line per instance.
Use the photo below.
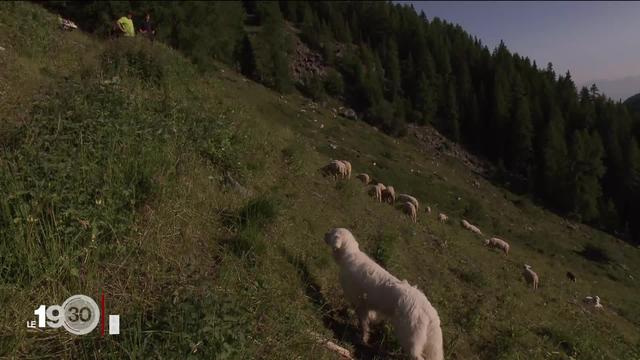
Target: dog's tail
(419, 324)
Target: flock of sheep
(361, 278)
(409, 204)
(341, 169)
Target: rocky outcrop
(436, 144)
(306, 62)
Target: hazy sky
(594, 40)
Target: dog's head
(341, 241)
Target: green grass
(115, 167)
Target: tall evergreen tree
(555, 163)
(392, 70)
(632, 187)
(586, 170)
(246, 58)
(520, 151)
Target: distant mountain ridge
(618, 89)
(633, 102)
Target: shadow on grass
(594, 253)
(337, 320)
(560, 339)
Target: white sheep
(498, 244)
(443, 218)
(347, 166)
(335, 169)
(595, 301)
(364, 178)
(471, 227)
(428, 209)
(389, 195)
(409, 198)
(376, 191)
(530, 276)
(410, 210)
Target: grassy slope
(197, 267)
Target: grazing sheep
(498, 244)
(530, 276)
(376, 191)
(443, 218)
(377, 294)
(347, 168)
(364, 178)
(344, 169)
(389, 195)
(428, 209)
(410, 210)
(335, 169)
(571, 276)
(409, 198)
(470, 227)
(595, 301)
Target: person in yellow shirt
(125, 24)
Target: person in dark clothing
(147, 27)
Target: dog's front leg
(363, 318)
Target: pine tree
(520, 149)
(450, 122)
(473, 124)
(498, 123)
(632, 174)
(246, 58)
(555, 163)
(632, 187)
(392, 70)
(425, 101)
(272, 55)
(586, 170)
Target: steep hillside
(194, 202)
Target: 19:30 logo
(79, 315)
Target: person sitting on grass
(125, 24)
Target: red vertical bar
(102, 315)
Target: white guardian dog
(376, 294)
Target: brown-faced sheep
(335, 169)
(389, 195)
